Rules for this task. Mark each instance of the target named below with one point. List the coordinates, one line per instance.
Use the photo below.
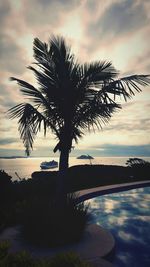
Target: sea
(23, 167)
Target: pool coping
(86, 194)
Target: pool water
(127, 216)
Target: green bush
(5, 179)
(6, 199)
(46, 225)
(139, 168)
(136, 162)
(24, 259)
(21, 259)
(5, 187)
(68, 260)
(4, 246)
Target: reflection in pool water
(127, 216)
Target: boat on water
(49, 164)
(85, 157)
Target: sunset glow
(112, 30)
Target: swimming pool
(127, 216)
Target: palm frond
(99, 71)
(29, 123)
(29, 90)
(126, 86)
(63, 62)
(42, 101)
(94, 74)
(40, 52)
(58, 75)
(76, 134)
(94, 113)
(92, 78)
(59, 50)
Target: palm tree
(70, 97)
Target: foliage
(68, 260)
(45, 224)
(70, 97)
(24, 259)
(4, 246)
(139, 168)
(5, 179)
(39, 186)
(5, 186)
(6, 198)
(133, 162)
(14, 196)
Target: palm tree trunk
(66, 143)
(61, 188)
(63, 162)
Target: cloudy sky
(114, 30)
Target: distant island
(85, 157)
(13, 157)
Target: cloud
(11, 55)
(140, 62)
(119, 32)
(39, 14)
(3, 130)
(9, 97)
(65, 3)
(118, 19)
(119, 152)
(134, 122)
(125, 150)
(112, 30)
(123, 17)
(11, 152)
(5, 141)
(5, 10)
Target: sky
(113, 30)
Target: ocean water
(24, 167)
(127, 216)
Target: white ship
(49, 164)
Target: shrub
(4, 246)
(5, 179)
(135, 162)
(21, 259)
(139, 168)
(24, 259)
(5, 186)
(46, 225)
(6, 199)
(68, 260)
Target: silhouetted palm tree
(70, 97)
